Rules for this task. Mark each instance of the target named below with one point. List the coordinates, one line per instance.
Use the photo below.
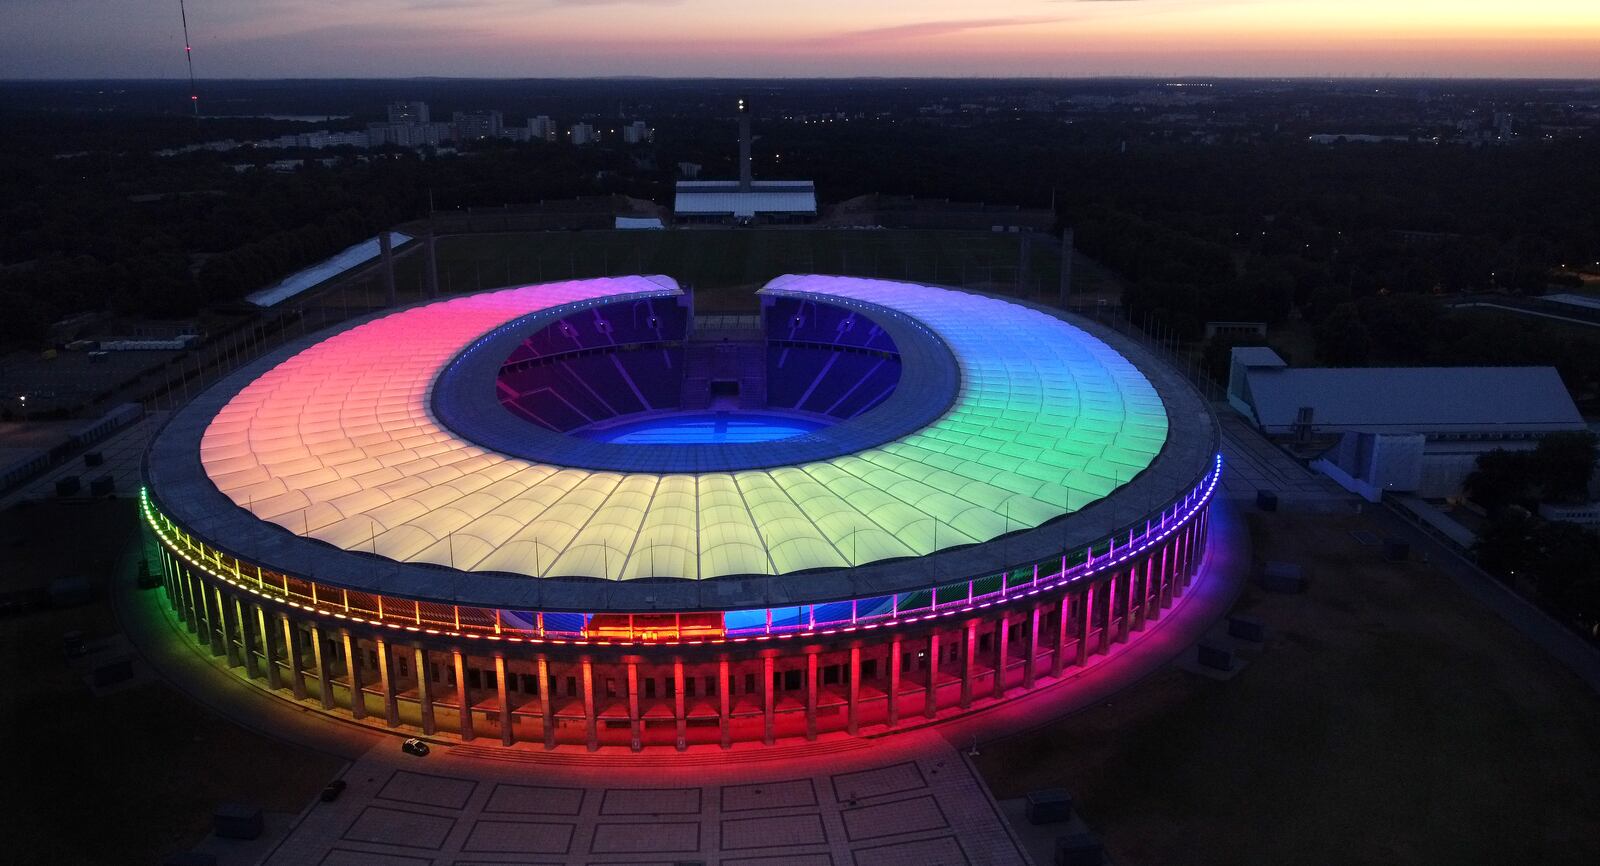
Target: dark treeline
(1558, 561)
(1255, 224)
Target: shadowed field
(1389, 720)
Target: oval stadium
(583, 514)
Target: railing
(1077, 565)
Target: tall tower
(188, 57)
(744, 145)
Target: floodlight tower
(188, 56)
(744, 145)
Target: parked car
(414, 746)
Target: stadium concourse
(419, 520)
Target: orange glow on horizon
(575, 38)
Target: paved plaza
(1251, 463)
(912, 799)
(123, 454)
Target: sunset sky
(381, 38)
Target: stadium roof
(344, 260)
(719, 197)
(337, 443)
(1413, 399)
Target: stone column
(811, 692)
(391, 705)
(177, 590)
(324, 671)
(291, 653)
(969, 651)
(592, 724)
(1134, 607)
(1085, 622)
(1166, 574)
(268, 647)
(1104, 596)
(1120, 595)
(252, 670)
(633, 706)
(1180, 562)
(726, 700)
(852, 722)
(767, 699)
(931, 697)
(230, 625)
(1030, 664)
(1152, 589)
(1002, 649)
(894, 681)
(425, 691)
(1058, 663)
(508, 734)
(1189, 540)
(547, 704)
(186, 590)
(679, 710)
(464, 697)
(352, 663)
(214, 628)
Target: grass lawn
(131, 776)
(722, 259)
(1389, 720)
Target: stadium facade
(576, 513)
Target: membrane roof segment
(337, 443)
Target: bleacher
(827, 360)
(620, 359)
(835, 382)
(596, 364)
(648, 320)
(806, 321)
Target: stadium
(583, 514)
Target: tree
(1342, 339)
(1566, 567)
(1502, 478)
(1505, 545)
(1563, 464)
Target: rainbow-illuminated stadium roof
(338, 444)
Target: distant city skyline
(830, 38)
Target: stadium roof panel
(337, 443)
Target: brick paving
(912, 799)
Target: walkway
(909, 797)
(1252, 463)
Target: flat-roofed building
(1379, 430)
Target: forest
(1356, 242)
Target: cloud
(925, 29)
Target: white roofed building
(745, 200)
(1399, 429)
(762, 201)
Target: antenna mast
(188, 55)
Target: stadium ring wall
(1000, 618)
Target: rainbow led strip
(1083, 565)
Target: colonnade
(677, 695)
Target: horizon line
(1153, 76)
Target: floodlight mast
(188, 56)
(745, 179)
